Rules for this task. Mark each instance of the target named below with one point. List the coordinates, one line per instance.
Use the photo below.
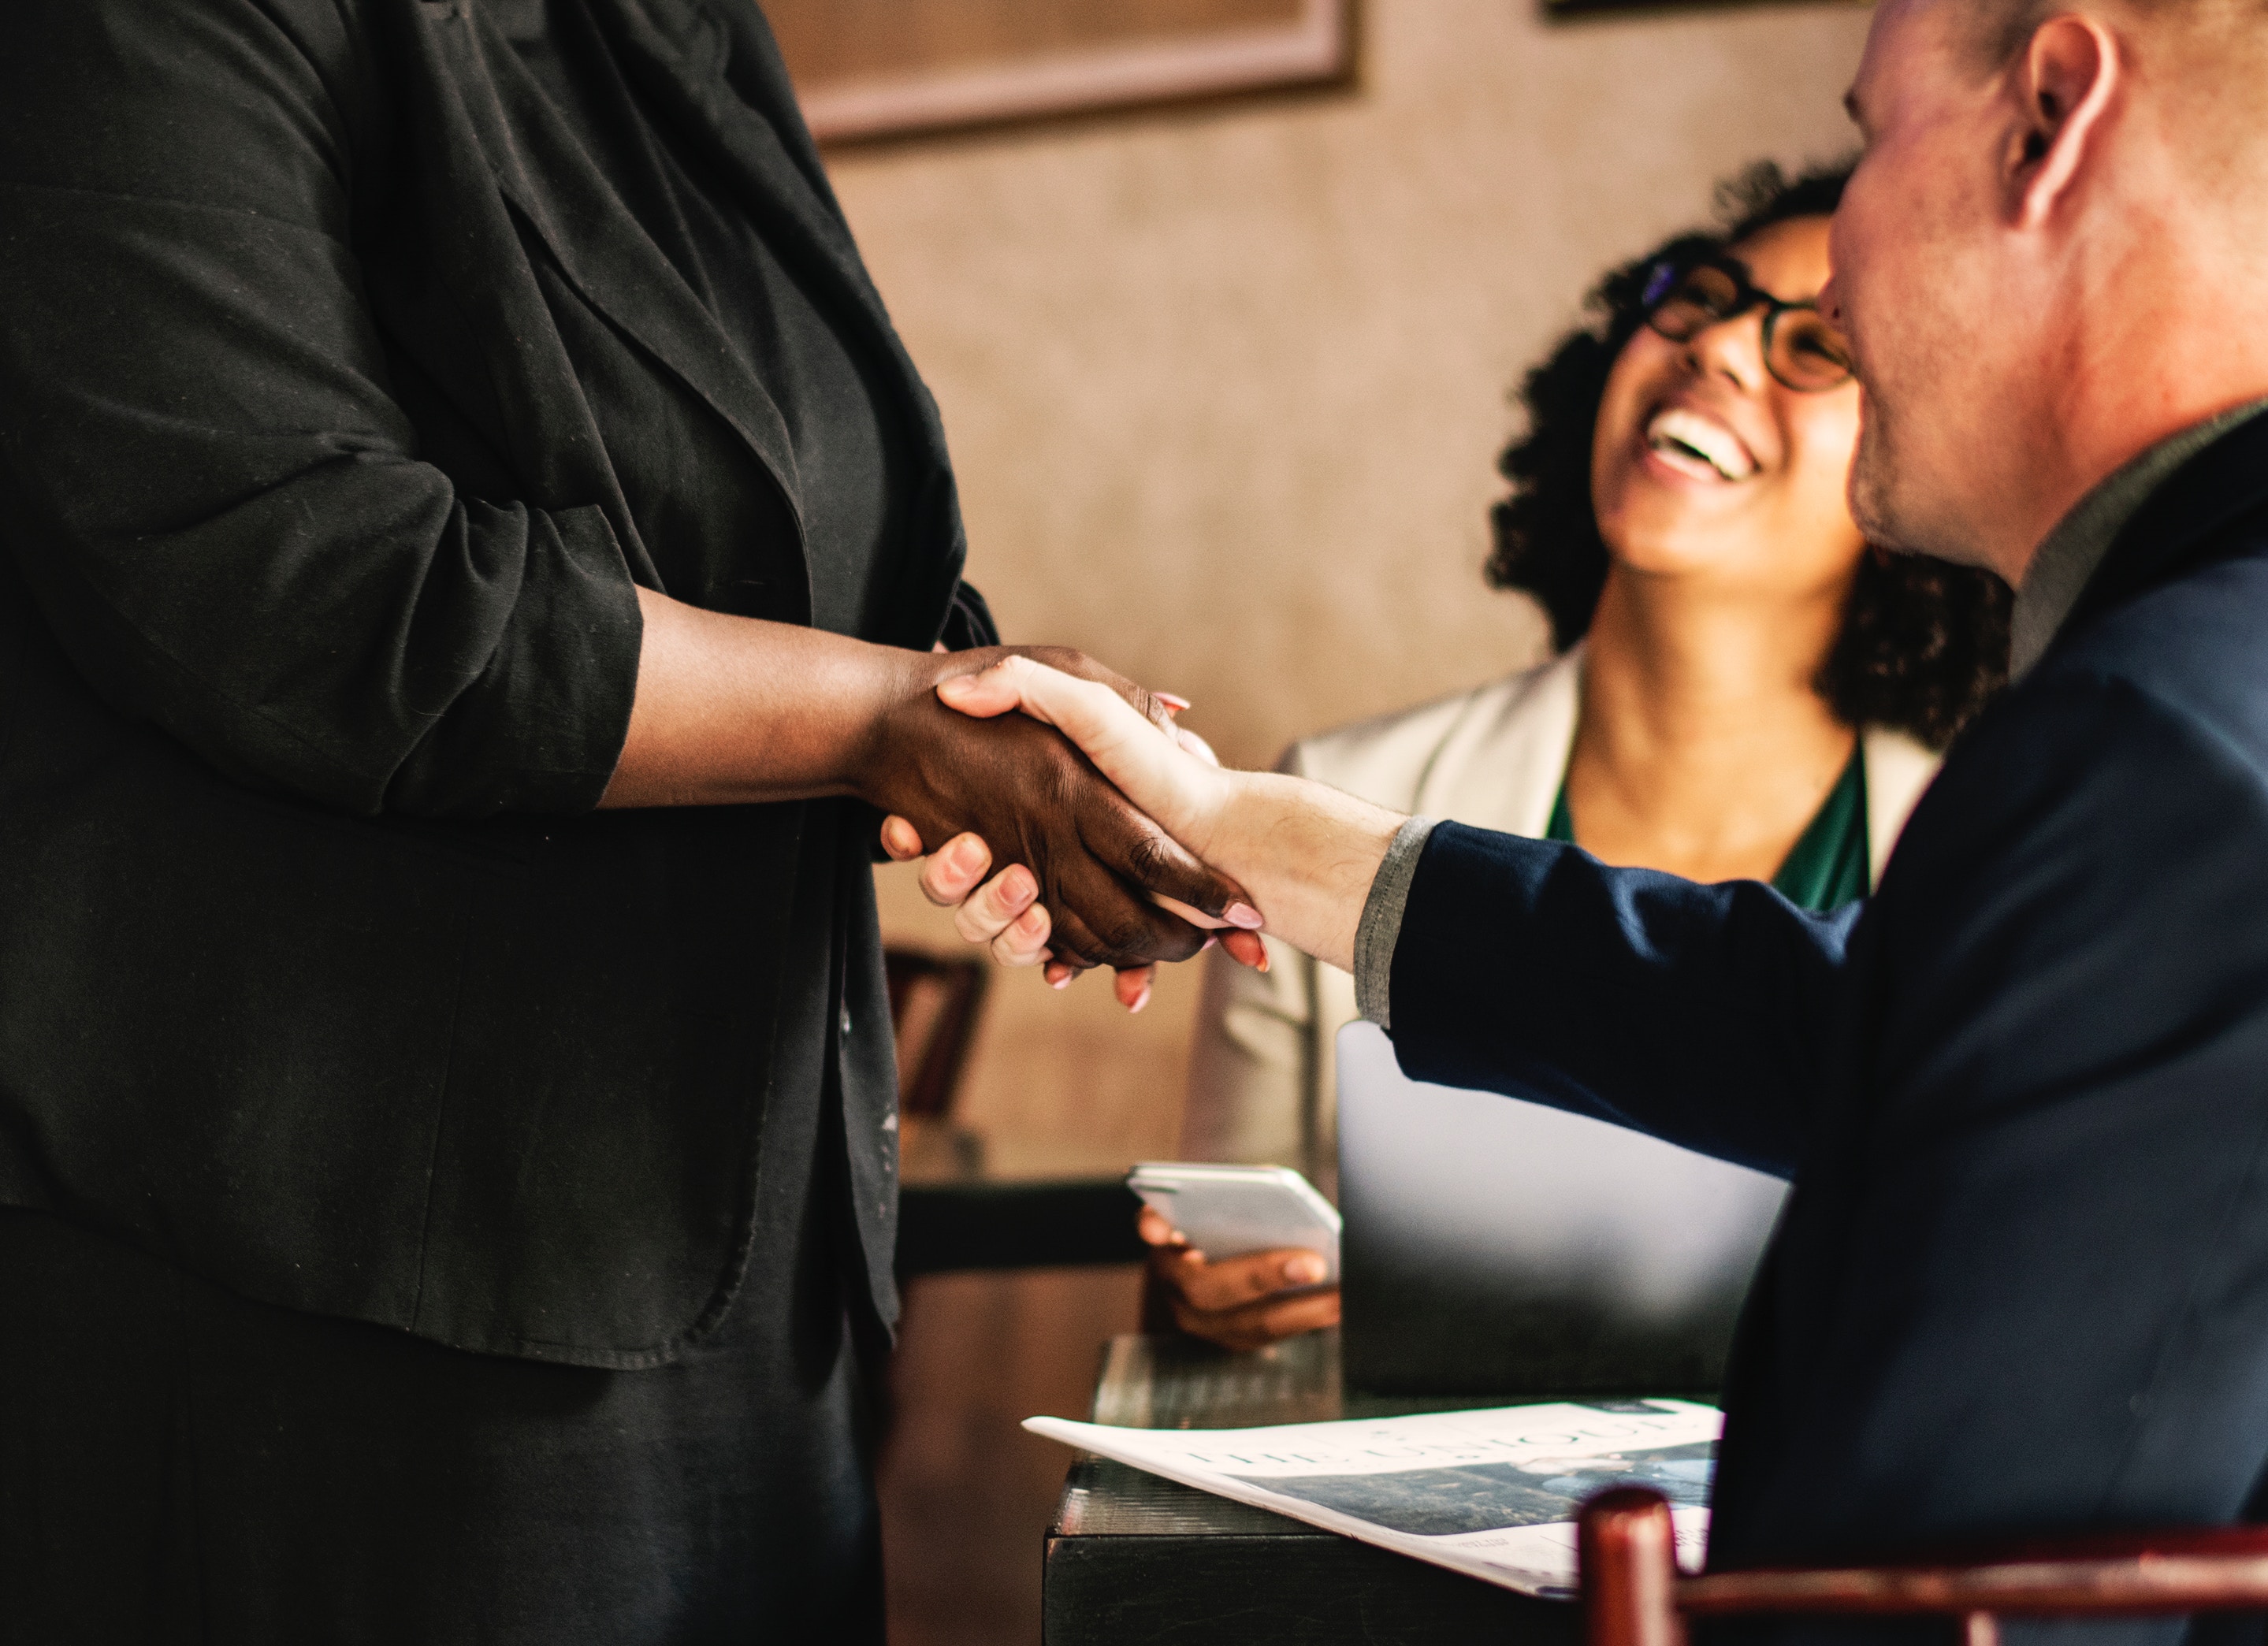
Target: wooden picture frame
(1579, 8)
(872, 69)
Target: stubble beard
(1889, 499)
(1873, 483)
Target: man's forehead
(1907, 40)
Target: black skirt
(179, 1463)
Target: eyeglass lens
(1802, 348)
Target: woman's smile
(1691, 442)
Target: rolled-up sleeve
(209, 488)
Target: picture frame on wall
(865, 69)
(1574, 8)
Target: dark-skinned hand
(1035, 800)
(1238, 1303)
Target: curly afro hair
(1924, 644)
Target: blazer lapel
(599, 246)
(676, 53)
(702, 72)
(1501, 766)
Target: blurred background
(1224, 381)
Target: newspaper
(1491, 1493)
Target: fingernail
(1304, 1270)
(1018, 885)
(1061, 980)
(1140, 999)
(1209, 943)
(1242, 915)
(1174, 700)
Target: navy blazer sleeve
(2024, 1273)
(1697, 1013)
(216, 500)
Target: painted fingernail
(1242, 915)
(1174, 700)
(1140, 999)
(1304, 1270)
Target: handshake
(1065, 818)
(1125, 843)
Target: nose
(1733, 347)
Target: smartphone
(1234, 1212)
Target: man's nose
(1831, 304)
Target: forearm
(733, 710)
(1306, 851)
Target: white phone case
(1234, 1212)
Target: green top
(1827, 866)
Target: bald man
(2022, 1282)
(2022, 1285)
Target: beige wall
(1225, 388)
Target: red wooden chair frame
(1634, 1595)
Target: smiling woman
(1921, 644)
(1746, 689)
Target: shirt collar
(2069, 554)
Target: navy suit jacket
(2021, 1283)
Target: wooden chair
(961, 1221)
(1634, 1595)
(933, 1006)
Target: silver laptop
(1499, 1246)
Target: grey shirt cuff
(1381, 921)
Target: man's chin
(1894, 508)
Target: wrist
(1224, 820)
(900, 692)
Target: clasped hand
(1117, 728)
(1013, 791)
(1308, 853)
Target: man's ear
(2063, 81)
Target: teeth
(1687, 434)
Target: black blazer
(2021, 1283)
(342, 406)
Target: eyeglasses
(1808, 354)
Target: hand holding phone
(1227, 1211)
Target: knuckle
(974, 924)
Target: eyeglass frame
(1661, 285)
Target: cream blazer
(1262, 1085)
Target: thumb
(984, 694)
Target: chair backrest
(933, 1004)
(1633, 1596)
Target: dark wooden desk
(1132, 1557)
